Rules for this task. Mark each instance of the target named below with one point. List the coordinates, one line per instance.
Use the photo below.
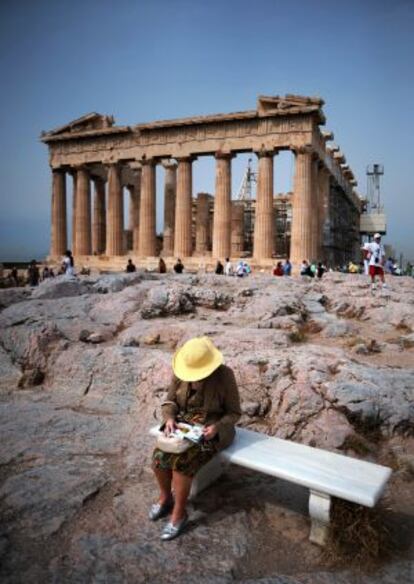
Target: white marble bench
(325, 473)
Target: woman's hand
(170, 426)
(210, 431)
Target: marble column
(170, 191)
(74, 180)
(222, 207)
(183, 245)
(237, 228)
(83, 213)
(324, 211)
(147, 216)
(99, 218)
(315, 230)
(301, 232)
(264, 218)
(59, 228)
(202, 224)
(115, 215)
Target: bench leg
(208, 474)
(319, 508)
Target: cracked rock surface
(84, 367)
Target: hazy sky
(145, 60)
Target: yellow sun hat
(196, 359)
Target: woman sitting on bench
(203, 392)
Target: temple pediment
(89, 122)
(289, 104)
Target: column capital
(303, 149)
(222, 154)
(169, 164)
(58, 169)
(144, 161)
(265, 152)
(189, 158)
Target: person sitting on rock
(219, 268)
(179, 267)
(240, 269)
(162, 268)
(203, 391)
(287, 267)
(305, 269)
(130, 267)
(278, 269)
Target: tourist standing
(33, 274)
(320, 270)
(68, 264)
(14, 276)
(219, 268)
(228, 267)
(376, 257)
(179, 267)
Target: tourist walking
(204, 392)
(376, 258)
(179, 267)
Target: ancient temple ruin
(323, 209)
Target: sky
(147, 60)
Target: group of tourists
(240, 269)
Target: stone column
(324, 212)
(99, 218)
(74, 180)
(170, 190)
(315, 231)
(264, 219)
(222, 207)
(202, 224)
(147, 234)
(58, 233)
(183, 211)
(83, 213)
(301, 235)
(237, 228)
(115, 217)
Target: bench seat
(325, 473)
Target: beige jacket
(217, 396)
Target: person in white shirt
(68, 264)
(376, 257)
(228, 267)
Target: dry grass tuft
(359, 537)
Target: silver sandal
(158, 510)
(172, 531)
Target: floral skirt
(190, 461)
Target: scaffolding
(247, 196)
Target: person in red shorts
(376, 256)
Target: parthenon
(324, 205)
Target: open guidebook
(188, 431)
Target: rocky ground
(84, 366)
